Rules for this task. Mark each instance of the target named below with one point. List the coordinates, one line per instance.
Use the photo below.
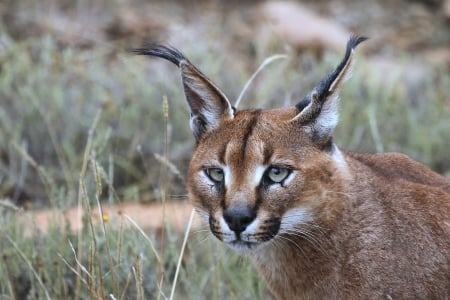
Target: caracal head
(257, 176)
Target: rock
(446, 8)
(303, 29)
(129, 23)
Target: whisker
(202, 240)
(311, 238)
(321, 229)
(200, 231)
(286, 239)
(204, 215)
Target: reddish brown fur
(318, 223)
(385, 225)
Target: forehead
(259, 121)
(250, 122)
(251, 133)
(275, 115)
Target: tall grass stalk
(265, 63)
(164, 177)
(374, 129)
(30, 266)
(54, 141)
(155, 252)
(183, 247)
(82, 196)
(108, 248)
(137, 271)
(46, 179)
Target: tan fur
(340, 225)
(384, 221)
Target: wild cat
(317, 222)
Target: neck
(303, 264)
(299, 265)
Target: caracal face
(257, 178)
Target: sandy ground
(146, 216)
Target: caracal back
(317, 222)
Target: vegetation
(77, 130)
(80, 126)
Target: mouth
(243, 247)
(255, 236)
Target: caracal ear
(318, 110)
(208, 104)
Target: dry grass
(84, 126)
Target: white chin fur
(245, 248)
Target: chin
(246, 248)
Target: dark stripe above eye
(222, 153)
(268, 152)
(245, 141)
(249, 130)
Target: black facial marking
(268, 152)
(271, 228)
(222, 191)
(215, 228)
(222, 153)
(245, 141)
(249, 131)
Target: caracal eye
(215, 174)
(277, 174)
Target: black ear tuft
(318, 108)
(170, 53)
(354, 41)
(209, 105)
(332, 82)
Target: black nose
(238, 217)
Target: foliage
(82, 126)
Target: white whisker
(315, 242)
(202, 239)
(286, 239)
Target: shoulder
(397, 166)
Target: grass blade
(36, 275)
(266, 62)
(186, 235)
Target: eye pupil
(275, 171)
(277, 175)
(215, 174)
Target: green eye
(277, 175)
(215, 174)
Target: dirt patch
(147, 216)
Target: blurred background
(63, 61)
(81, 115)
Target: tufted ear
(208, 104)
(318, 109)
